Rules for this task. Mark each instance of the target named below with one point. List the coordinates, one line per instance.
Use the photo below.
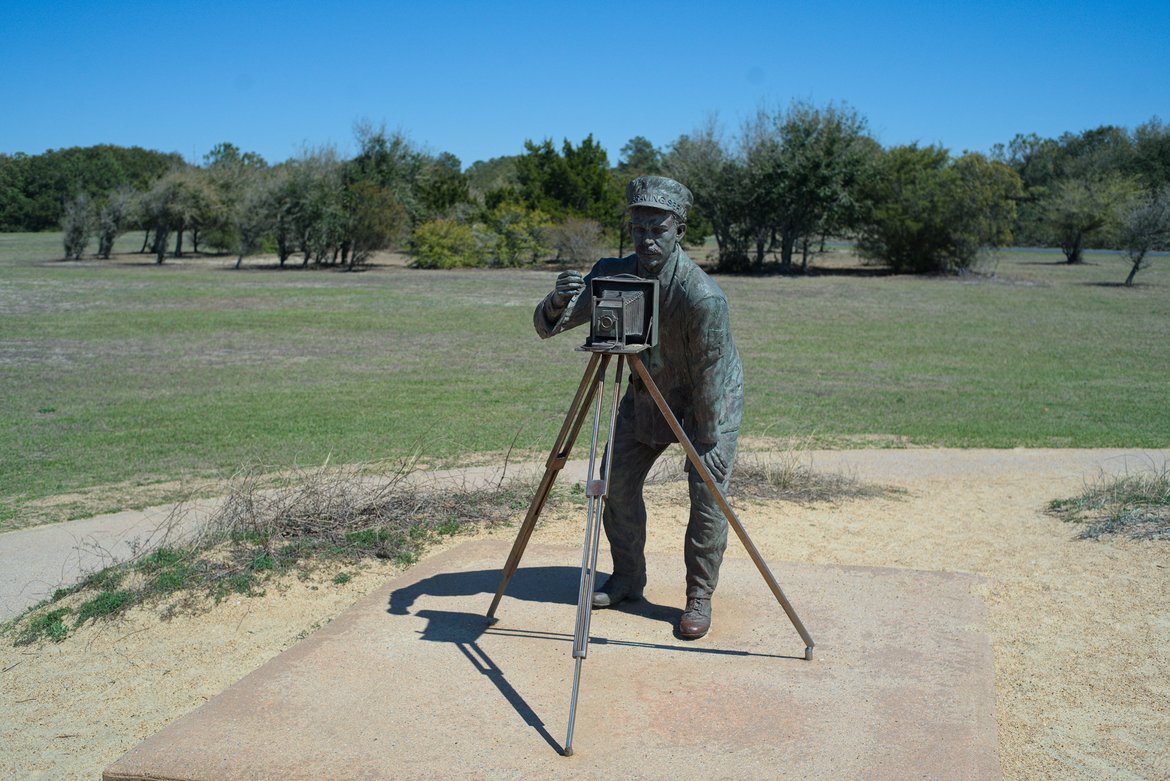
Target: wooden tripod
(592, 389)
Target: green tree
(1079, 209)
(1036, 161)
(392, 162)
(1145, 226)
(442, 185)
(35, 188)
(488, 176)
(702, 161)
(77, 225)
(929, 213)
(639, 157)
(287, 197)
(14, 201)
(447, 243)
(375, 220)
(1151, 154)
(156, 218)
(118, 211)
(985, 209)
(574, 182)
(1093, 154)
(254, 214)
(182, 202)
(318, 213)
(521, 234)
(804, 168)
(230, 173)
(1062, 179)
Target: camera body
(624, 315)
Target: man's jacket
(695, 363)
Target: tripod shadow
(552, 585)
(557, 585)
(463, 631)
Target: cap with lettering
(658, 192)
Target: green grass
(44, 626)
(128, 373)
(104, 605)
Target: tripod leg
(697, 463)
(574, 419)
(597, 491)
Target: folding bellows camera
(624, 315)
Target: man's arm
(556, 310)
(707, 363)
(710, 355)
(569, 304)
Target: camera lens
(607, 322)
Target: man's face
(655, 233)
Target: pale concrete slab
(411, 683)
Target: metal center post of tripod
(596, 491)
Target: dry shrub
(359, 511)
(779, 474)
(789, 475)
(577, 240)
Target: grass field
(127, 373)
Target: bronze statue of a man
(697, 368)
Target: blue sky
(477, 78)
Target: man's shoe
(619, 588)
(696, 619)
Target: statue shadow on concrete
(556, 585)
(553, 585)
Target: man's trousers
(625, 512)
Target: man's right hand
(569, 283)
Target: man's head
(658, 214)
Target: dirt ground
(1080, 629)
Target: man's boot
(696, 619)
(619, 588)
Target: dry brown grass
(788, 474)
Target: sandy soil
(1080, 629)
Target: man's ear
(682, 229)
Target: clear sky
(478, 78)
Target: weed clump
(350, 514)
(46, 626)
(1136, 506)
(105, 604)
(270, 526)
(789, 475)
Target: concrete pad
(412, 683)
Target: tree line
(316, 207)
(771, 195)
